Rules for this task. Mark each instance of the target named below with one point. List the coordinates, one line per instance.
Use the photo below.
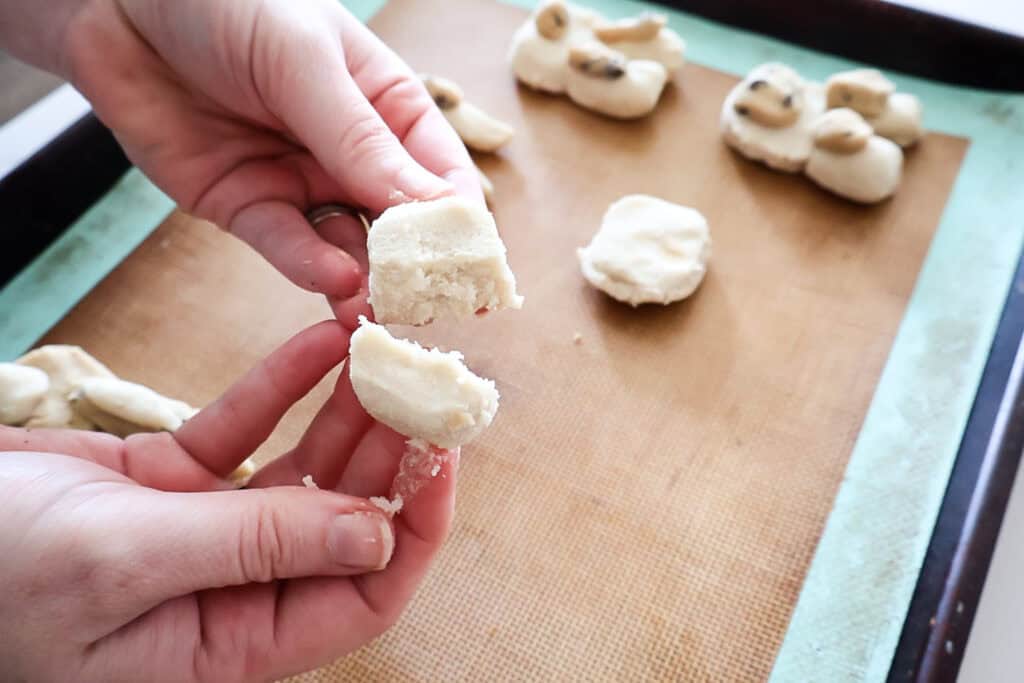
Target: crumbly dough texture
(785, 148)
(423, 394)
(647, 250)
(437, 259)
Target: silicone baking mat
(648, 502)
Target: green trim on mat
(851, 609)
(58, 278)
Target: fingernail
(361, 540)
(418, 184)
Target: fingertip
(415, 183)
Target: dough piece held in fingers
(867, 172)
(647, 250)
(605, 81)
(479, 130)
(769, 117)
(22, 389)
(645, 37)
(66, 366)
(420, 393)
(437, 259)
(540, 48)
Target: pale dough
(648, 250)
(542, 63)
(66, 366)
(900, 121)
(22, 389)
(438, 259)
(867, 176)
(422, 394)
(784, 148)
(633, 94)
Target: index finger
(403, 103)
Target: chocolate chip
(758, 84)
(741, 110)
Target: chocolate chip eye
(442, 102)
(758, 84)
(613, 70)
(559, 19)
(741, 110)
(787, 101)
(847, 96)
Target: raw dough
(866, 91)
(645, 37)
(437, 259)
(868, 174)
(423, 394)
(900, 121)
(67, 367)
(479, 130)
(486, 185)
(22, 389)
(648, 250)
(133, 407)
(603, 80)
(542, 62)
(784, 136)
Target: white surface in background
(995, 647)
(1001, 15)
(34, 128)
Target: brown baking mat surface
(648, 501)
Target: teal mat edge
(850, 611)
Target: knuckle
(364, 140)
(263, 551)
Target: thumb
(346, 134)
(229, 538)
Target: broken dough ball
(900, 121)
(123, 408)
(22, 389)
(437, 259)
(866, 91)
(769, 116)
(645, 37)
(540, 48)
(603, 80)
(420, 393)
(479, 130)
(647, 250)
(866, 173)
(66, 366)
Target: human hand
(134, 559)
(251, 113)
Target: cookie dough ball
(422, 394)
(604, 81)
(645, 37)
(900, 121)
(66, 367)
(479, 130)
(437, 259)
(540, 48)
(770, 115)
(22, 389)
(648, 250)
(849, 160)
(866, 91)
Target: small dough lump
(648, 250)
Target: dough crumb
(434, 470)
(308, 482)
(577, 338)
(390, 507)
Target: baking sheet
(891, 476)
(649, 500)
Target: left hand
(135, 559)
